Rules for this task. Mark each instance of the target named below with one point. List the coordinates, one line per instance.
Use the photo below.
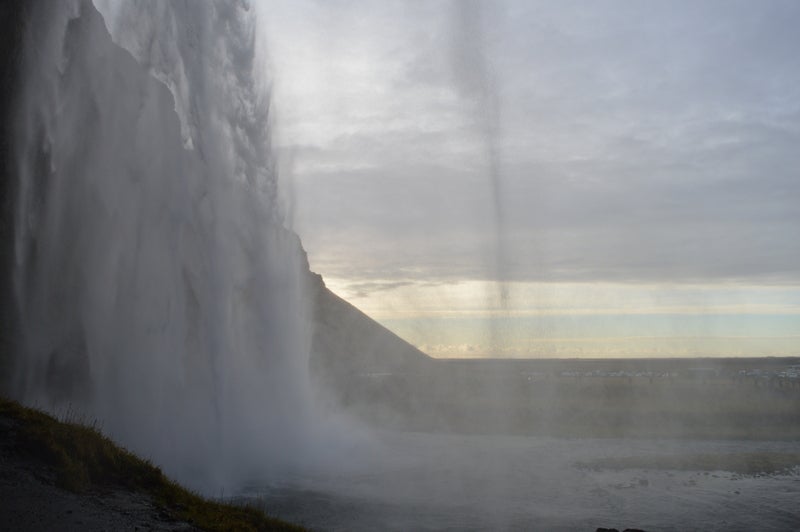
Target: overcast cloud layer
(637, 141)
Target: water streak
(475, 82)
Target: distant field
(694, 398)
(754, 463)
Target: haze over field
(627, 170)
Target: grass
(741, 463)
(84, 460)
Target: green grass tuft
(84, 460)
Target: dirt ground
(30, 500)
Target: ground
(31, 500)
(57, 475)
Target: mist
(549, 285)
(158, 291)
(532, 195)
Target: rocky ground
(31, 501)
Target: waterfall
(156, 287)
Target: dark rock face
(13, 17)
(68, 373)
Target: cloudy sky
(548, 178)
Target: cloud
(637, 142)
(368, 288)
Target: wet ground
(419, 481)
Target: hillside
(58, 475)
(347, 343)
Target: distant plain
(656, 444)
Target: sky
(519, 178)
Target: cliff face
(345, 341)
(13, 15)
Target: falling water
(475, 83)
(157, 289)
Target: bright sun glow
(584, 319)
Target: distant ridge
(346, 342)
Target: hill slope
(67, 476)
(348, 343)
